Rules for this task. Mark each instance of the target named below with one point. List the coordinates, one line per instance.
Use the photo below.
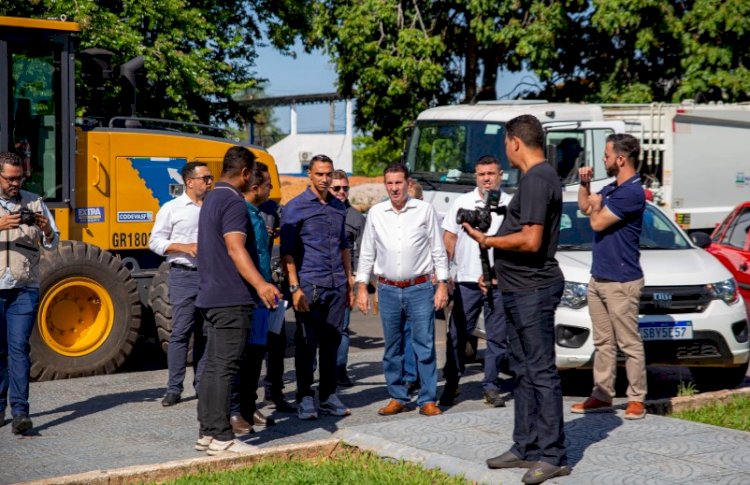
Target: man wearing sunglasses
(354, 227)
(175, 235)
(24, 235)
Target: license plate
(666, 330)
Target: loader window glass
(35, 118)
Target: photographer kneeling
(480, 208)
(25, 225)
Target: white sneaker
(202, 443)
(306, 408)
(232, 446)
(334, 407)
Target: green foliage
(372, 156)
(686, 389)
(198, 53)
(347, 467)
(734, 414)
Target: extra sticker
(87, 215)
(145, 216)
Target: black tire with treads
(69, 263)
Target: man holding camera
(26, 225)
(468, 299)
(532, 285)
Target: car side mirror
(701, 239)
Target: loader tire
(158, 300)
(89, 313)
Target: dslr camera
(28, 216)
(481, 217)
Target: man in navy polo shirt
(229, 285)
(616, 216)
(317, 261)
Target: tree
(198, 53)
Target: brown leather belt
(404, 283)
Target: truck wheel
(158, 300)
(89, 313)
(716, 378)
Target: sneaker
(591, 405)
(508, 460)
(541, 471)
(217, 447)
(202, 442)
(334, 407)
(306, 408)
(635, 410)
(343, 379)
(282, 405)
(493, 398)
(170, 399)
(21, 424)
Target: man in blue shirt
(229, 286)
(317, 261)
(616, 216)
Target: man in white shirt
(402, 245)
(468, 299)
(175, 235)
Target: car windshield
(442, 153)
(658, 231)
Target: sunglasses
(207, 179)
(336, 188)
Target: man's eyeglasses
(13, 180)
(336, 188)
(207, 179)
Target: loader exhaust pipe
(127, 73)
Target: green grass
(686, 389)
(349, 466)
(734, 414)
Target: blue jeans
(413, 305)
(18, 308)
(538, 433)
(187, 321)
(411, 373)
(468, 302)
(342, 357)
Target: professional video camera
(480, 219)
(28, 216)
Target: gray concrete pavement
(108, 422)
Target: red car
(730, 243)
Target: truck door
(572, 145)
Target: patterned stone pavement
(108, 422)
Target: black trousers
(276, 348)
(227, 333)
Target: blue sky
(314, 73)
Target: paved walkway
(108, 422)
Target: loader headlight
(724, 290)
(574, 295)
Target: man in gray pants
(175, 234)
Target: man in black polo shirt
(229, 286)
(532, 283)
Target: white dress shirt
(466, 253)
(176, 222)
(402, 245)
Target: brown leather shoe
(430, 409)
(393, 407)
(239, 425)
(262, 421)
(591, 405)
(635, 410)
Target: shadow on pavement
(95, 404)
(587, 430)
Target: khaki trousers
(613, 307)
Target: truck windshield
(444, 152)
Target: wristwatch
(443, 281)
(293, 288)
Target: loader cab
(37, 102)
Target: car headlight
(574, 295)
(724, 290)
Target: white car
(691, 314)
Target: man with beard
(616, 216)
